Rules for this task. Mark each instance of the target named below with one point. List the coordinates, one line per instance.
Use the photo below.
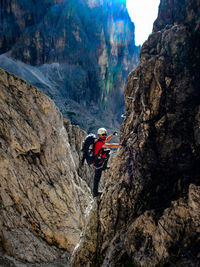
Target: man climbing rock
(101, 156)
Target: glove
(123, 145)
(115, 133)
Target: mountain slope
(42, 198)
(93, 42)
(149, 214)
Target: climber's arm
(111, 145)
(109, 137)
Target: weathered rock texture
(42, 198)
(76, 137)
(82, 51)
(149, 212)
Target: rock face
(76, 137)
(42, 198)
(149, 214)
(82, 53)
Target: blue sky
(143, 13)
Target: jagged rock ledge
(149, 213)
(42, 197)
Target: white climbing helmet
(102, 131)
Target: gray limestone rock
(78, 52)
(76, 138)
(148, 214)
(42, 198)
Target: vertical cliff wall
(82, 51)
(149, 214)
(42, 197)
(76, 138)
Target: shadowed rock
(149, 212)
(78, 52)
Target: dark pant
(97, 177)
(99, 167)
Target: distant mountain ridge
(92, 44)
